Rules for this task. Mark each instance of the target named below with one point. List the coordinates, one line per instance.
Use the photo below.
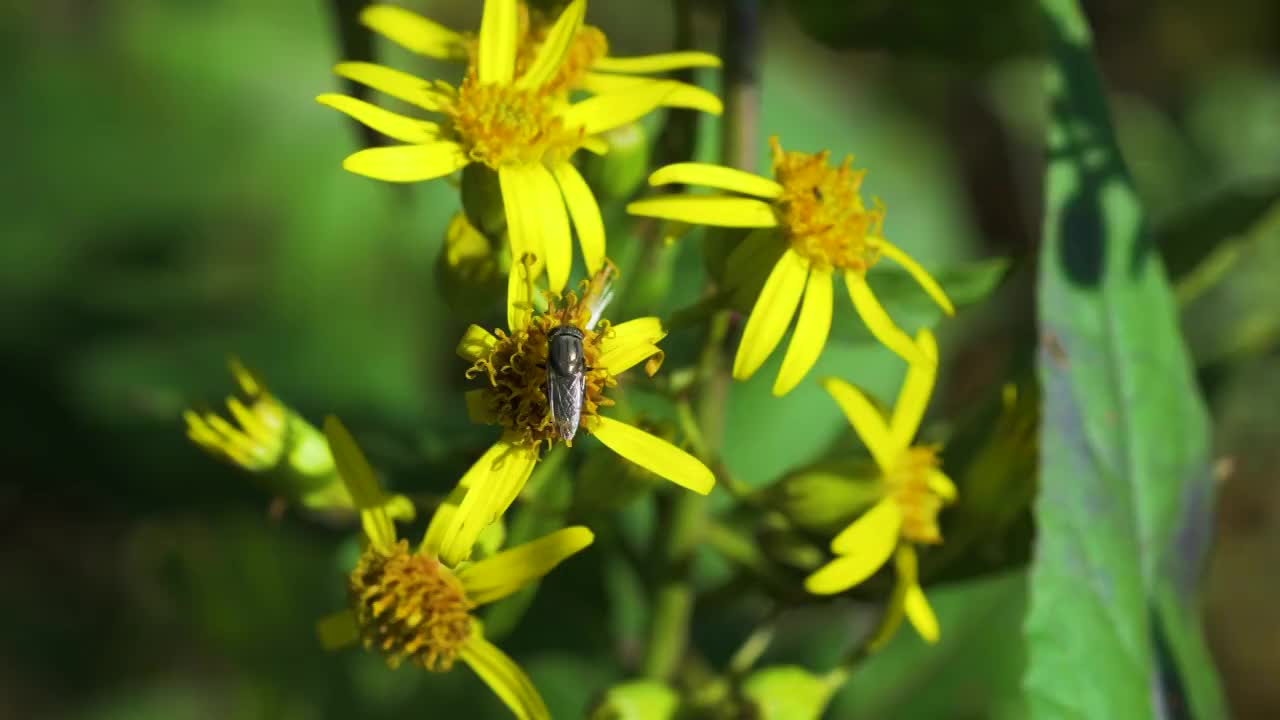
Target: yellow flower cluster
(518, 115)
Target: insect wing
(564, 397)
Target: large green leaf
(1113, 625)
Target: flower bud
(469, 268)
(639, 700)
(482, 200)
(826, 497)
(288, 454)
(789, 692)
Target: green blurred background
(172, 194)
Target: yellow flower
(414, 606)
(813, 214)
(913, 490)
(586, 66)
(512, 366)
(509, 122)
(276, 444)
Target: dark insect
(565, 383)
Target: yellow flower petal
(623, 358)
(434, 537)
(921, 615)
(630, 343)
(523, 217)
(683, 95)
(338, 630)
(878, 321)
(866, 420)
(655, 455)
(606, 112)
(503, 676)
(358, 476)
(497, 577)
(772, 313)
(393, 125)
(810, 334)
(585, 213)
(551, 53)
(496, 56)
(520, 294)
(407, 163)
(926, 280)
(656, 63)
(476, 343)
(716, 176)
(553, 225)
(874, 533)
(642, 330)
(414, 32)
(841, 574)
(707, 210)
(913, 398)
(399, 85)
(493, 483)
(941, 486)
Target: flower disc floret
(820, 210)
(502, 124)
(410, 607)
(516, 368)
(908, 485)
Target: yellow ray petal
(866, 420)
(393, 125)
(655, 455)
(437, 529)
(520, 294)
(493, 483)
(551, 53)
(772, 313)
(503, 676)
(400, 85)
(413, 32)
(645, 329)
(941, 486)
(914, 604)
(496, 56)
(338, 630)
(878, 321)
(361, 483)
(606, 112)
(716, 176)
(841, 574)
(497, 577)
(926, 280)
(683, 95)
(913, 398)
(629, 343)
(476, 343)
(553, 225)
(874, 533)
(585, 213)
(656, 63)
(623, 358)
(810, 334)
(707, 210)
(522, 215)
(921, 615)
(407, 163)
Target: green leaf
(1126, 490)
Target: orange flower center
(516, 369)
(909, 486)
(500, 124)
(410, 607)
(821, 210)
